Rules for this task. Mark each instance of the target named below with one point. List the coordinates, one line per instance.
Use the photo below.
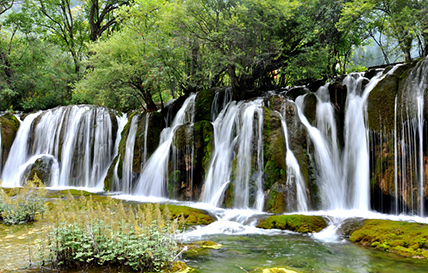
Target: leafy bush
(25, 206)
(87, 233)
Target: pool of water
(301, 253)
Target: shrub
(87, 233)
(25, 206)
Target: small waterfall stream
(294, 175)
(236, 128)
(127, 167)
(153, 177)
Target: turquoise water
(301, 253)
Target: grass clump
(404, 238)
(84, 233)
(297, 223)
(23, 205)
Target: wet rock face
(42, 167)
(9, 126)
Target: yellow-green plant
(85, 233)
(26, 206)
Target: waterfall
(293, 170)
(355, 157)
(18, 155)
(343, 176)
(127, 170)
(78, 141)
(236, 128)
(410, 146)
(153, 177)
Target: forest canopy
(130, 54)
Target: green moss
(174, 183)
(274, 150)
(191, 215)
(73, 192)
(108, 180)
(9, 125)
(204, 99)
(404, 238)
(296, 222)
(275, 201)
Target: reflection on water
(297, 252)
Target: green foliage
(86, 233)
(404, 238)
(24, 206)
(297, 223)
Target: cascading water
(409, 142)
(127, 173)
(153, 177)
(343, 176)
(77, 140)
(294, 175)
(236, 128)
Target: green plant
(26, 205)
(86, 233)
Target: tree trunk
(238, 94)
(147, 97)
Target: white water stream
(153, 177)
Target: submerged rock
(294, 222)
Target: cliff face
(357, 142)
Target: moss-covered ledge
(191, 216)
(294, 222)
(405, 238)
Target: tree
(136, 62)
(62, 24)
(400, 20)
(101, 15)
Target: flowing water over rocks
(352, 147)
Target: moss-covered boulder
(350, 225)
(381, 101)
(274, 148)
(42, 167)
(404, 238)
(190, 216)
(204, 100)
(310, 107)
(280, 198)
(295, 222)
(9, 126)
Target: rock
(42, 167)
(350, 225)
(203, 103)
(9, 126)
(294, 92)
(294, 222)
(313, 86)
(405, 238)
(191, 216)
(278, 270)
(280, 198)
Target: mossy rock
(295, 222)
(310, 110)
(274, 148)
(9, 126)
(200, 248)
(276, 200)
(405, 238)
(191, 215)
(381, 101)
(204, 100)
(278, 270)
(350, 225)
(180, 267)
(73, 192)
